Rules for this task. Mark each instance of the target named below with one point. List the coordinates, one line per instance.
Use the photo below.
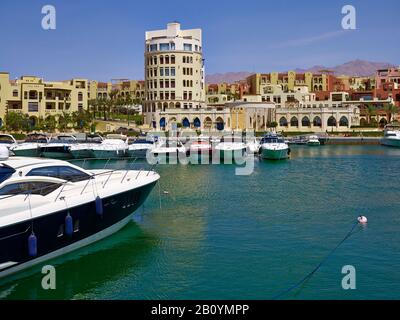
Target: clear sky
(104, 39)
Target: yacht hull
(138, 153)
(391, 142)
(61, 152)
(27, 152)
(82, 154)
(106, 154)
(274, 154)
(51, 242)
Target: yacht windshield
(60, 172)
(5, 172)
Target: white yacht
(58, 147)
(51, 207)
(253, 145)
(391, 136)
(231, 149)
(31, 147)
(200, 150)
(84, 148)
(273, 147)
(8, 140)
(114, 146)
(167, 150)
(138, 147)
(313, 141)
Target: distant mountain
(229, 77)
(360, 68)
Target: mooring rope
(310, 274)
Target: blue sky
(105, 39)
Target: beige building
(336, 114)
(124, 87)
(174, 71)
(261, 82)
(38, 98)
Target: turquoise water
(222, 236)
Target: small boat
(391, 136)
(58, 147)
(139, 147)
(231, 149)
(8, 140)
(273, 147)
(167, 150)
(31, 146)
(52, 207)
(253, 145)
(114, 146)
(84, 148)
(313, 141)
(200, 148)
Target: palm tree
(390, 110)
(371, 111)
(93, 104)
(111, 102)
(128, 103)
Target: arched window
(331, 121)
(161, 59)
(185, 123)
(172, 59)
(283, 122)
(317, 122)
(163, 123)
(220, 124)
(305, 122)
(343, 122)
(196, 123)
(166, 59)
(294, 122)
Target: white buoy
(4, 153)
(362, 219)
(166, 192)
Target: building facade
(38, 98)
(174, 71)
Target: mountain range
(360, 68)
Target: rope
(309, 275)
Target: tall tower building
(174, 71)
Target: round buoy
(69, 227)
(32, 245)
(99, 206)
(166, 192)
(362, 219)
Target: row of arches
(196, 123)
(317, 122)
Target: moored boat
(273, 147)
(58, 147)
(231, 149)
(51, 207)
(114, 146)
(313, 141)
(31, 147)
(391, 137)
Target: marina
(195, 249)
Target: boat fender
(69, 229)
(362, 219)
(289, 151)
(32, 245)
(99, 206)
(65, 148)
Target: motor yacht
(31, 147)
(58, 147)
(114, 146)
(200, 150)
(391, 136)
(273, 147)
(231, 149)
(51, 207)
(167, 150)
(138, 147)
(8, 140)
(313, 141)
(83, 149)
(253, 145)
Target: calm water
(221, 236)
